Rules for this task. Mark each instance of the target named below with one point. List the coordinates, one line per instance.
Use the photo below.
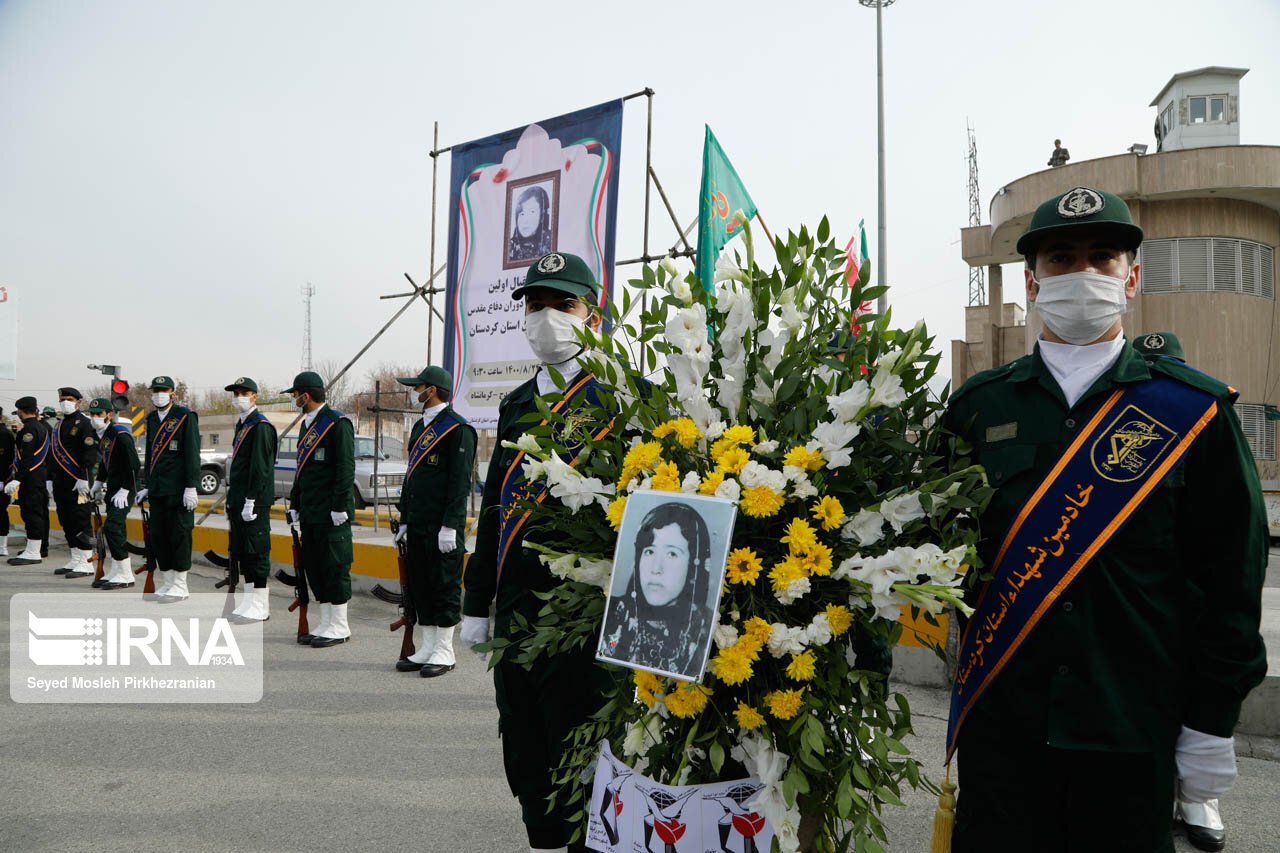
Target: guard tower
(1199, 109)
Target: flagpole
(760, 219)
(882, 304)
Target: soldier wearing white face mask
(117, 483)
(170, 474)
(73, 453)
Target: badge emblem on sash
(1130, 445)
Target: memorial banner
(548, 186)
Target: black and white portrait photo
(665, 588)
(532, 204)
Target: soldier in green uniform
(539, 706)
(433, 519)
(73, 454)
(322, 502)
(1146, 581)
(117, 483)
(169, 476)
(250, 493)
(27, 476)
(7, 455)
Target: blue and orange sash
(168, 428)
(35, 460)
(63, 457)
(249, 423)
(1125, 451)
(325, 419)
(108, 445)
(515, 488)
(446, 423)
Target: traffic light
(119, 395)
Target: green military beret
(162, 383)
(48, 412)
(564, 272)
(437, 376)
(1160, 343)
(244, 383)
(305, 379)
(70, 392)
(99, 405)
(1079, 208)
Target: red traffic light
(119, 386)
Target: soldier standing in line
(250, 493)
(73, 454)
(433, 517)
(116, 483)
(28, 472)
(171, 472)
(7, 455)
(322, 501)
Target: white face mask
(160, 399)
(1080, 307)
(242, 404)
(68, 406)
(99, 425)
(553, 335)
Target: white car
(390, 472)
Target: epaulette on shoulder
(1175, 369)
(985, 377)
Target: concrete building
(1210, 211)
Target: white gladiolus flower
(846, 405)
(680, 289)
(729, 489)
(725, 636)
(533, 469)
(902, 510)
(730, 385)
(740, 218)
(689, 371)
(737, 308)
(699, 410)
(728, 270)
(886, 390)
(832, 439)
(769, 765)
(669, 265)
(642, 735)
(594, 572)
(527, 444)
(690, 483)
(793, 319)
(687, 329)
(867, 527)
(775, 345)
(763, 392)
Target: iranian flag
(857, 269)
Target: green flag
(722, 194)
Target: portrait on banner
(532, 213)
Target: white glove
(98, 488)
(1206, 765)
(48, 484)
(120, 499)
(291, 516)
(141, 496)
(247, 514)
(82, 487)
(189, 499)
(475, 629)
(11, 487)
(447, 540)
(338, 518)
(400, 535)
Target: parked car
(390, 472)
(213, 470)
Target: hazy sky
(172, 173)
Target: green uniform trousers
(115, 529)
(1018, 794)
(250, 543)
(435, 580)
(171, 526)
(326, 559)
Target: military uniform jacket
(76, 436)
(252, 470)
(119, 464)
(33, 454)
(177, 466)
(324, 483)
(434, 494)
(7, 452)
(1161, 628)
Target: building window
(213, 439)
(1208, 109)
(1202, 264)
(1258, 430)
(1166, 118)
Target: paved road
(341, 754)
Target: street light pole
(882, 264)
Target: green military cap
(305, 379)
(432, 375)
(1078, 208)
(243, 383)
(561, 271)
(1160, 343)
(842, 341)
(162, 383)
(70, 392)
(48, 412)
(100, 405)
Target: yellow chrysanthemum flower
(711, 482)
(801, 458)
(744, 566)
(732, 460)
(614, 513)
(816, 560)
(829, 512)
(757, 629)
(732, 665)
(720, 445)
(687, 432)
(687, 699)
(800, 536)
(748, 717)
(760, 502)
(648, 687)
(666, 478)
(839, 618)
(644, 456)
(783, 573)
(802, 666)
(785, 704)
(740, 434)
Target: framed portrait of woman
(533, 204)
(664, 592)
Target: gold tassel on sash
(944, 819)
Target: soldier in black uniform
(170, 474)
(7, 453)
(73, 454)
(116, 484)
(27, 477)
(250, 493)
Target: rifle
(148, 556)
(408, 618)
(231, 581)
(99, 545)
(299, 583)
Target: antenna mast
(977, 275)
(308, 290)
